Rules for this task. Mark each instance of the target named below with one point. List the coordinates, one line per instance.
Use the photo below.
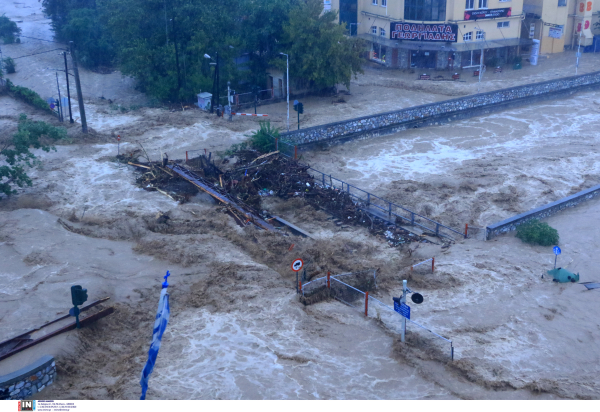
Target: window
(467, 36)
(374, 30)
(503, 24)
(470, 5)
(480, 35)
(374, 3)
(483, 4)
(425, 10)
(383, 3)
(562, 3)
(382, 32)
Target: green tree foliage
(15, 154)
(162, 43)
(263, 139)
(9, 32)
(320, 53)
(27, 95)
(537, 233)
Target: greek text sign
(424, 32)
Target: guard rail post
(368, 199)
(412, 218)
(432, 264)
(186, 156)
(366, 303)
(390, 210)
(328, 280)
(466, 229)
(437, 229)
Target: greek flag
(160, 324)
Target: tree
(9, 31)
(9, 65)
(320, 54)
(15, 151)
(94, 47)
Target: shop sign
(555, 32)
(423, 32)
(487, 13)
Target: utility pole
(403, 300)
(84, 127)
(217, 68)
(68, 91)
(60, 108)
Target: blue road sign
(402, 309)
(556, 250)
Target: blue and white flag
(160, 324)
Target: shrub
(9, 31)
(263, 139)
(9, 65)
(538, 233)
(28, 96)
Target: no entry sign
(297, 265)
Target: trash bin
(218, 112)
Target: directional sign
(402, 309)
(297, 265)
(556, 250)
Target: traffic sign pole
(403, 300)
(557, 251)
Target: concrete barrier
(27, 381)
(440, 112)
(550, 209)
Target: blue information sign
(556, 250)
(402, 309)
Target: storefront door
(422, 59)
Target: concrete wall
(541, 212)
(436, 113)
(25, 382)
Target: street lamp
(215, 81)
(480, 57)
(287, 60)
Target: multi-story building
(437, 34)
(560, 24)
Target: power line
(34, 54)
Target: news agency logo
(27, 405)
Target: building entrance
(423, 59)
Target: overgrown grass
(537, 233)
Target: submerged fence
(335, 287)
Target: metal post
(390, 210)
(466, 229)
(579, 47)
(368, 199)
(403, 300)
(437, 229)
(298, 119)
(287, 59)
(228, 102)
(555, 256)
(451, 351)
(366, 303)
(412, 218)
(328, 280)
(323, 176)
(297, 283)
(432, 264)
(60, 109)
(68, 91)
(186, 156)
(84, 128)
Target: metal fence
(417, 335)
(424, 266)
(371, 203)
(250, 97)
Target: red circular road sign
(297, 265)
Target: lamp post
(287, 60)
(215, 81)
(480, 58)
(579, 47)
